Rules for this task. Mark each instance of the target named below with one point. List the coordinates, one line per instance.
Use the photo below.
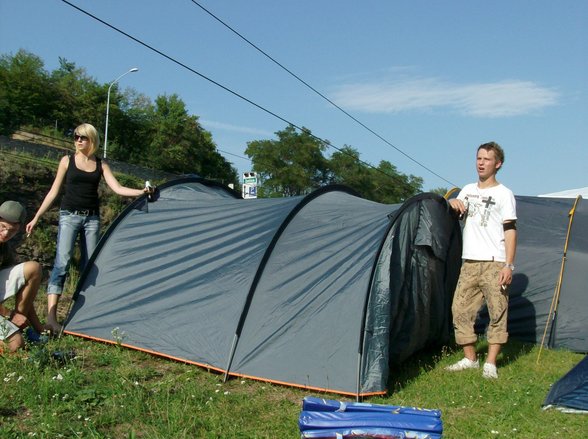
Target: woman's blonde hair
(91, 133)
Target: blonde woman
(79, 174)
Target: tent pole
(231, 355)
(556, 294)
(357, 397)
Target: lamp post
(133, 70)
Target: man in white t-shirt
(488, 210)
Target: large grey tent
(549, 294)
(321, 292)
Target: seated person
(19, 280)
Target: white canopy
(570, 193)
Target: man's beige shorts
(478, 282)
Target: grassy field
(107, 391)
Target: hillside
(27, 179)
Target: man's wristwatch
(511, 266)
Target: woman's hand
(30, 226)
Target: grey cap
(13, 212)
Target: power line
(190, 69)
(318, 92)
(234, 155)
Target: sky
(423, 83)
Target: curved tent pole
(556, 294)
(307, 199)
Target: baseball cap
(13, 212)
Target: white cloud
(211, 124)
(498, 99)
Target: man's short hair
(493, 146)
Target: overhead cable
(318, 92)
(227, 89)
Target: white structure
(249, 185)
(570, 193)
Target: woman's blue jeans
(70, 226)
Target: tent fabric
(570, 393)
(542, 233)
(570, 330)
(303, 291)
(324, 291)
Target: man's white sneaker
(490, 371)
(464, 363)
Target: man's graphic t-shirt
(487, 210)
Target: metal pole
(134, 69)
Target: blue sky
(434, 79)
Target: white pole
(134, 69)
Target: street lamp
(133, 70)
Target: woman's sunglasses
(82, 138)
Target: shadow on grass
(418, 364)
(426, 360)
(512, 350)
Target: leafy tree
(25, 91)
(164, 136)
(80, 98)
(347, 169)
(179, 144)
(390, 186)
(383, 184)
(291, 165)
(214, 165)
(173, 147)
(439, 191)
(129, 129)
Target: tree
(173, 145)
(214, 165)
(439, 191)
(130, 127)
(346, 168)
(26, 95)
(383, 184)
(162, 136)
(80, 98)
(180, 145)
(291, 165)
(390, 186)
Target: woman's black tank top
(81, 188)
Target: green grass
(112, 392)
